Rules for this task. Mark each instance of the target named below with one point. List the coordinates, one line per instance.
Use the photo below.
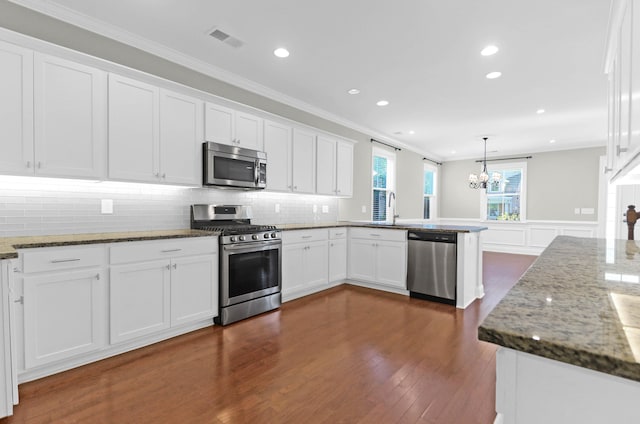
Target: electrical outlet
(364, 209)
(277, 208)
(315, 208)
(106, 206)
(325, 208)
(587, 211)
(576, 211)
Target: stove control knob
(254, 237)
(242, 238)
(266, 235)
(232, 239)
(273, 235)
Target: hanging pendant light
(480, 181)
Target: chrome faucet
(392, 195)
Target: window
(383, 171)
(506, 200)
(429, 192)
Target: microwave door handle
(256, 172)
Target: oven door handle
(253, 247)
(256, 171)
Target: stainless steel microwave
(233, 167)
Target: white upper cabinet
(70, 115)
(228, 126)
(154, 135)
(304, 161)
(334, 160)
(277, 145)
(180, 139)
(133, 130)
(16, 110)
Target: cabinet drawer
(58, 258)
(140, 251)
(304, 236)
(337, 233)
(378, 234)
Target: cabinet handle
(331, 244)
(175, 266)
(169, 266)
(306, 237)
(39, 164)
(98, 277)
(295, 187)
(16, 269)
(157, 175)
(164, 175)
(621, 150)
(28, 164)
(374, 235)
(19, 300)
(339, 234)
(58, 261)
(170, 250)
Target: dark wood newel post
(632, 217)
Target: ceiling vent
(226, 38)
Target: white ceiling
(423, 56)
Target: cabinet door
(194, 288)
(362, 257)
(140, 299)
(325, 166)
(219, 124)
(303, 160)
(316, 265)
(277, 145)
(337, 260)
(391, 263)
(344, 169)
(180, 139)
(70, 116)
(635, 78)
(64, 315)
(133, 130)
(16, 110)
(293, 271)
(248, 131)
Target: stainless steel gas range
(250, 260)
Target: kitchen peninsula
(570, 336)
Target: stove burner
(229, 230)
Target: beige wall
(557, 183)
(409, 183)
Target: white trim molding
(526, 238)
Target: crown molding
(88, 23)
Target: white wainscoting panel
(527, 238)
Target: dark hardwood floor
(346, 355)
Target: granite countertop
(397, 226)
(8, 245)
(579, 303)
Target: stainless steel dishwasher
(431, 272)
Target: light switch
(277, 208)
(587, 211)
(325, 208)
(576, 211)
(315, 208)
(106, 206)
(364, 209)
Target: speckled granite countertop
(579, 303)
(8, 245)
(398, 226)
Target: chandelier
(480, 181)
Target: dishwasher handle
(438, 237)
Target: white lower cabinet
(305, 262)
(337, 254)
(140, 302)
(378, 256)
(63, 301)
(156, 285)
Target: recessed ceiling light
(489, 50)
(382, 103)
(494, 75)
(354, 91)
(412, 132)
(281, 52)
(540, 111)
(552, 141)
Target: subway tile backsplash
(37, 206)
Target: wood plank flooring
(346, 355)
